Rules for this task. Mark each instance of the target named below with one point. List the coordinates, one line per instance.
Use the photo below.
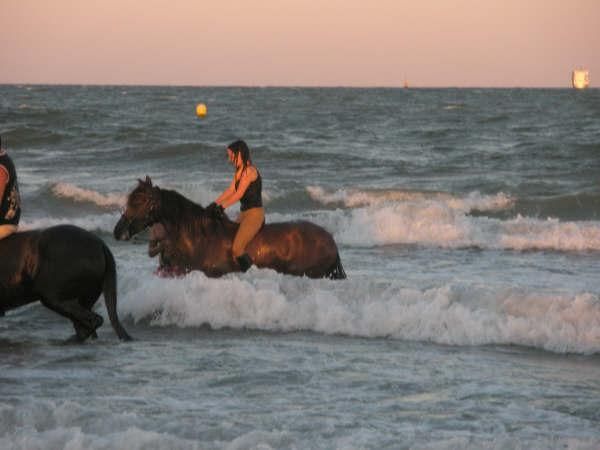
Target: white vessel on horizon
(580, 78)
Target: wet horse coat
(194, 239)
(64, 267)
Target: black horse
(195, 239)
(66, 268)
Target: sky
(363, 43)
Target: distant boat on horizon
(580, 78)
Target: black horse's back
(69, 260)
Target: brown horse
(194, 239)
(66, 268)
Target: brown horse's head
(140, 212)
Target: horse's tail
(110, 294)
(336, 271)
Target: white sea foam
(73, 438)
(78, 194)
(455, 314)
(352, 198)
(454, 106)
(391, 217)
(507, 440)
(442, 220)
(54, 424)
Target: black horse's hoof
(74, 340)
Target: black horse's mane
(182, 212)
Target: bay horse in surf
(64, 267)
(193, 238)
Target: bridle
(150, 207)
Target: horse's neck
(185, 219)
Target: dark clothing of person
(10, 203)
(252, 198)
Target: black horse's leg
(84, 321)
(88, 303)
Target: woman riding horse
(189, 237)
(246, 187)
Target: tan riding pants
(250, 221)
(7, 230)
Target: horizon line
(290, 86)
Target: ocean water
(468, 222)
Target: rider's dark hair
(239, 147)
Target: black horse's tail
(110, 294)
(336, 271)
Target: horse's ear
(145, 183)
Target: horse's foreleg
(155, 247)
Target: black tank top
(10, 203)
(252, 198)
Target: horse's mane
(181, 212)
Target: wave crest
(439, 219)
(455, 314)
(352, 198)
(78, 194)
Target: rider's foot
(244, 261)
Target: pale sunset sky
(430, 43)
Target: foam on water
(352, 198)
(388, 217)
(437, 219)
(73, 438)
(454, 313)
(435, 224)
(78, 194)
(56, 424)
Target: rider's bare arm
(248, 177)
(226, 193)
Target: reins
(150, 208)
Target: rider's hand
(215, 210)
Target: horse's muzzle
(121, 231)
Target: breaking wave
(78, 194)
(439, 219)
(454, 314)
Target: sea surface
(468, 223)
